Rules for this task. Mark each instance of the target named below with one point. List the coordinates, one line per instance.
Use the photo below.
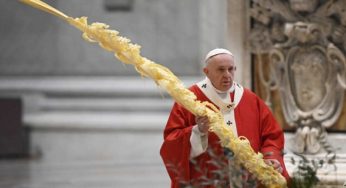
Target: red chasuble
(254, 121)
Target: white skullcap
(217, 51)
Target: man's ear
(205, 70)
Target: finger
(275, 163)
(272, 161)
(205, 122)
(205, 117)
(268, 162)
(200, 119)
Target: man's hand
(203, 124)
(275, 164)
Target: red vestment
(254, 121)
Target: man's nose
(228, 73)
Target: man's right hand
(203, 124)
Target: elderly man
(186, 137)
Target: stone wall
(173, 33)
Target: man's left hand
(275, 164)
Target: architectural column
(237, 28)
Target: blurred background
(72, 115)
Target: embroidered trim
(226, 105)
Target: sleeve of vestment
(176, 148)
(272, 137)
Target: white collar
(226, 105)
(209, 90)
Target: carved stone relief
(306, 44)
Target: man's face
(220, 71)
